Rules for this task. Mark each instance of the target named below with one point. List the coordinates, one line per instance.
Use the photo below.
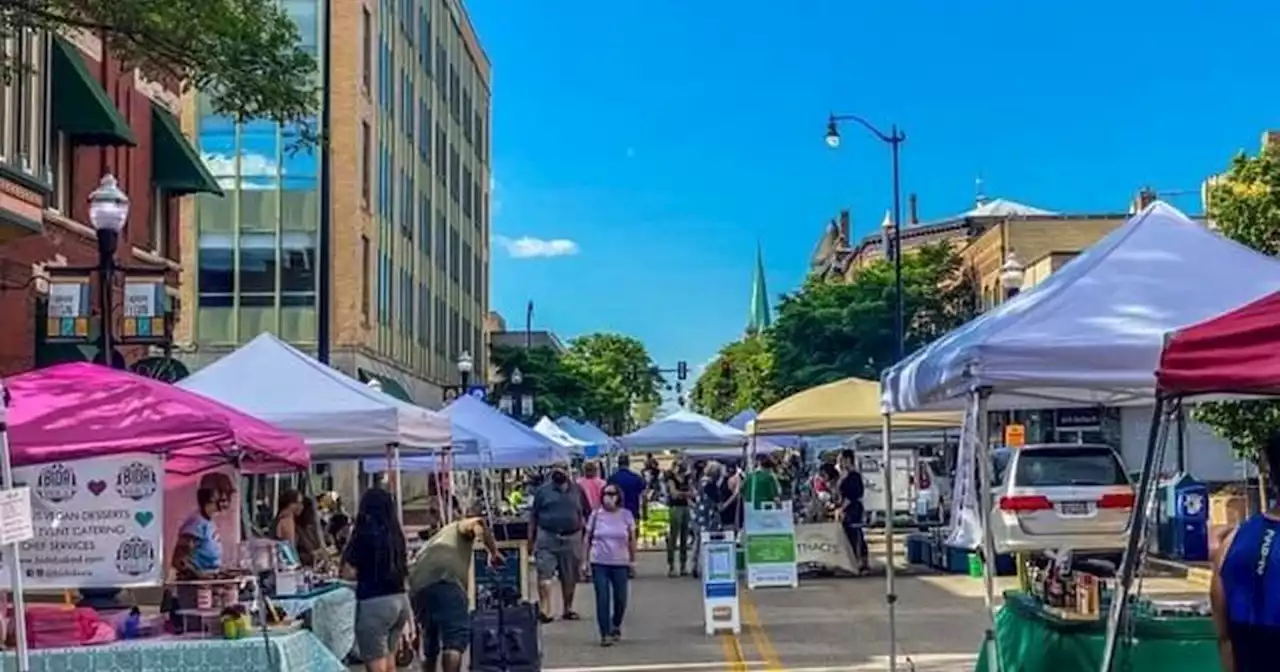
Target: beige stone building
(407, 205)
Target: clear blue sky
(658, 141)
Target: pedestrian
(611, 537)
(762, 486)
(439, 583)
(632, 486)
(852, 513)
(679, 496)
(713, 501)
(376, 556)
(556, 521)
(591, 483)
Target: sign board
(720, 583)
(96, 523)
(1069, 418)
(488, 583)
(145, 305)
(1015, 435)
(68, 316)
(15, 516)
(769, 538)
(824, 546)
(478, 391)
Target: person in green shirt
(762, 485)
(439, 585)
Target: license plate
(1074, 508)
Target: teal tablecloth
(298, 651)
(331, 615)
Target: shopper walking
(852, 514)
(377, 559)
(555, 535)
(611, 538)
(679, 497)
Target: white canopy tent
(683, 429)
(1091, 333)
(548, 428)
(338, 416)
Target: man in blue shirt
(630, 483)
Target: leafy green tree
(826, 331)
(618, 374)
(557, 390)
(739, 378)
(1245, 206)
(245, 54)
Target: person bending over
(439, 583)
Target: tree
(245, 54)
(1245, 206)
(826, 331)
(739, 378)
(557, 390)
(618, 374)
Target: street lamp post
(1012, 275)
(465, 364)
(108, 212)
(894, 138)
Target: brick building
(69, 117)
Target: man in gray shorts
(555, 535)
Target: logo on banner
(136, 481)
(135, 557)
(56, 483)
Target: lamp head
(108, 206)
(465, 363)
(517, 376)
(833, 132)
(1012, 274)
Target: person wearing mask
(591, 483)
(555, 528)
(679, 487)
(852, 514)
(761, 486)
(376, 557)
(439, 585)
(611, 543)
(1245, 593)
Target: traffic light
(682, 370)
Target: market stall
(1090, 334)
(97, 453)
(598, 442)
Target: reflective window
(257, 270)
(297, 270)
(215, 280)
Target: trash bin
(1190, 524)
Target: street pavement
(824, 625)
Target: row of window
(261, 268)
(408, 311)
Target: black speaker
(506, 639)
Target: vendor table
(1031, 639)
(329, 612)
(297, 651)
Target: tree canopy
(739, 378)
(1244, 204)
(831, 330)
(246, 55)
(607, 379)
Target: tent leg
(985, 501)
(1137, 533)
(890, 596)
(396, 488)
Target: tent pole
(890, 596)
(985, 502)
(1137, 533)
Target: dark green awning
(175, 166)
(390, 386)
(81, 108)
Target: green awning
(175, 166)
(81, 108)
(390, 386)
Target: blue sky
(658, 141)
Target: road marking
(732, 649)
(760, 638)
(667, 667)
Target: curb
(1200, 577)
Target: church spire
(759, 318)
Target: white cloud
(257, 171)
(527, 247)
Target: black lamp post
(465, 365)
(893, 248)
(1012, 275)
(108, 212)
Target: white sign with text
(96, 523)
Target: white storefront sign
(96, 523)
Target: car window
(1084, 466)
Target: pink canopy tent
(80, 410)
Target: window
(479, 143)
(62, 155)
(1078, 466)
(366, 159)
(159, 222)
(466, 116)
(424, 130)
(455, 175)
(257, 269)
(215, 279)
(475, 197)
(466, 192)
(442, 230)
(424, 224)
(406, 204)
(366, 49)
(442, 157)
(455, 84)
(297, 269)
(365, 272)
(442, 60)
(467, 261)
(22, 104)
(454, 247)
(424, 37)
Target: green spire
(759, 319)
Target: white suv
(1061, 496)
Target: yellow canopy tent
(849, 405)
